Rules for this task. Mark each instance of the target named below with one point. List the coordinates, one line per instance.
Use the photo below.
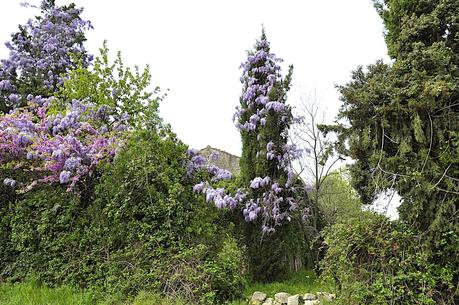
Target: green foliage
(34, 293)
(203, 275)
(375, 261)
(113, 84)
(273, 257)
(337, 199)
(136, 226)
(404, 120)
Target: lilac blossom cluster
(57, 148)
(261, 71)
(43, 50)
(197, 162)
(219, 197)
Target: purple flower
(200, 187)
(6, 85)
(30, 155)
(276, 106)
(64, 177)
(13, 98)
(276, 188)
(254, 119)
(230, 201)
(222, 174)
(252, 215)
(9, 182)
(72, 163)
(255, 183)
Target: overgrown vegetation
(375, 261)
(399, 122)
(100, 201)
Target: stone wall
(221, 159)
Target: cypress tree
(263, 119)
(400, 123)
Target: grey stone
(222, 159)
(269, 301)
(258, 297)
(309, 297)
(311, 302)
(326, 296)
(281, 297)
(294, 300)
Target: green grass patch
(32, 293)
(301, 282)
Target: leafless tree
(319, 159)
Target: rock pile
(283, 298)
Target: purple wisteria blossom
(196, 162)
(41, 53)
(55, 147)
(263, 119)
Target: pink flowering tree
(63, 113)
(39, 146)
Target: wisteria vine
(41, 53)
(58, 147)
(270, 197)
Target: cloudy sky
(194, 49)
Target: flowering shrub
(57, 147)
(43, 50)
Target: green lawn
(31, 293)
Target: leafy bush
(199, 274)
(125, 227)
(376, 261)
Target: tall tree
(319, 160)
(41, 52)
(400, 122)
(264, 119)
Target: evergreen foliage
(399, 121)
(263, 119)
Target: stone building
(221, 159)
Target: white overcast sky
(194, 49)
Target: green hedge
(128, 228)
(376, 261)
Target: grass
(301, 282)
(32, 293)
